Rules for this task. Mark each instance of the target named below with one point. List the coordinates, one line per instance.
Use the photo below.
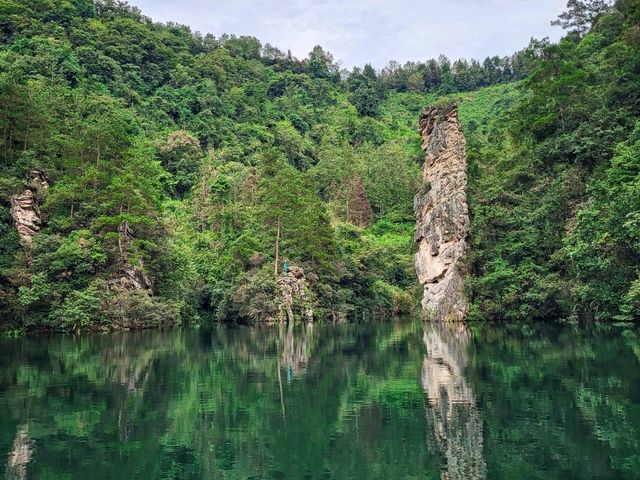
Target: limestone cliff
(442, 214)
(25, 210)
(295, 295)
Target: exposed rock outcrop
(295, 295)
(442, 215)
(130, 277)
(25, 210)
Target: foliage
(178, 155)
(553, 180)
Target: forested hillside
(167, 168)
(555, 180)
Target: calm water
(381, 401)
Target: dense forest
(555, 192)
(192, 166)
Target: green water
(376, 401)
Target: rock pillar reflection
(455, 423)
(19, 456)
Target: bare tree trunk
(26, 134)
(10, 150)
(277, 262)
(121, 248)
(347, 219)
(123, 230)
(281, 393)
(206, 179)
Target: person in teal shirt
(285, 268)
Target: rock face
(442, 215)
(295, 295)
(24, 207)
(130, 277)
(26, 215)
(133, 278)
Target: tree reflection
(500, 403)
(452, 414)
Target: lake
(392, 400)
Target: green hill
(173, 160)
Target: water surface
(395, 400)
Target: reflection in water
(296, 348)
(294, 354)
(20, 455)
(209, 404)
(452, 414)
(131, 368)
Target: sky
(357, 32)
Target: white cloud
(375, 31)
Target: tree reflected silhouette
(373, 401)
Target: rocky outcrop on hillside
(130, 277)
(25, 210)
(442, 215)
(295, 295)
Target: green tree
(289, 204)
(582, 14)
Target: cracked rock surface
(24, 207)
(442, 215)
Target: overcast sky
(371, 31)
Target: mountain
(150, 175)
